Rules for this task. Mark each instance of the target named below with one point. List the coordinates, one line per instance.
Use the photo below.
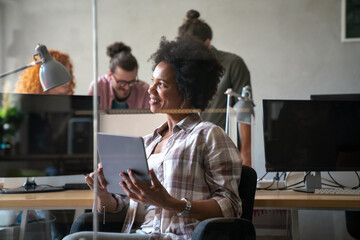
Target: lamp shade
(244, 108)
(52, 73)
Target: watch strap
(187, 209)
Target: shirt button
(157, 229)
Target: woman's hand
(101, 181)
(155, 194)
(104, 197)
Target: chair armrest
(224, 228)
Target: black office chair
(233, 228)
(353, 223)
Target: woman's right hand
(104, 197)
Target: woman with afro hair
(194, 166)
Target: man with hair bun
(236, 76)
(120, 88)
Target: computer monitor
(336, 97)
(311, 135)
(45, 135)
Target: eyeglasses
(123, 83)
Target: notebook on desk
(118, 153)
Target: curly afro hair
(197, 70)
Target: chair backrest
(247, 189)
(233, 228)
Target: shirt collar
(187, 124)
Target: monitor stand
(312, 182)
(30, 186)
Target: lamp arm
(228, 93)
(236, 95)
(22, 68)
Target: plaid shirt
(200, 162)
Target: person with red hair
(29, 80)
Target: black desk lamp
(52, 73)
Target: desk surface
(302, 200)
(263, 199)
(69, 199)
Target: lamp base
(31, 187)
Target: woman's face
(164, 92)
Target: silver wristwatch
(187, 209)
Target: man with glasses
(120, 87)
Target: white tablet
(118, 153)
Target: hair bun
(192, 14)
(116, 48)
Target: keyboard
(337, 191)
(76, 186)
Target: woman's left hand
(155, 194)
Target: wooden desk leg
(24, 216)
(47, 223)
(295, 224)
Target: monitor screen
(311, 135)
(336, 97)
(45, 135)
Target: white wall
(130, 124)
(292, 48)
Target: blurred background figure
(120, 88)
(29, 80)
(236, 77)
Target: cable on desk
(292, 186)
(340, 185)
(268, 187)
(330, 185)
(283, 173)
(358, 186)
(262, 177)
(276, 179)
